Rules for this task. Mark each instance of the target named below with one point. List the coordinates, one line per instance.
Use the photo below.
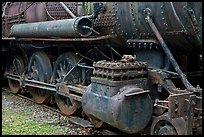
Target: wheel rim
(16, 67)
(66, 105)
(40, 70)
(14, 86)
(63, 65)
(164, 128)
(40, 96)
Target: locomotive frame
(70, 53)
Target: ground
(22, 117)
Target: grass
(18, 123)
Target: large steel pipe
(75, 27)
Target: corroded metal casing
(59, 28)
(129, 110)
(180, 23)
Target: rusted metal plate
(80, 121)
(179, 105)
(58, 12)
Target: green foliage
(18, 123)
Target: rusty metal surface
(110, 88)
(131, 14)
(16, 67)
(106, 37)
(167, 51)
(59, 28)
(36, 12)
(40, 69)
(57, 12)
(119, 95)
(137, 110)
(177, 105)
(123, 93)
(176, 126)
(80, 121)
(126, 19)
(127, 68)
(67, 105)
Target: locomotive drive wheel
(16, 67)
(66, 105)
(40, 69)
(63, 65)
(162, 126)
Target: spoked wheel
(66, 105)
(162, 125)
(17, 68)
(40, 69)
(63, 65)
(164, 128)
(96, 122)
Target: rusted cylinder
(130, 110)
(59, 28)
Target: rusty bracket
(183, 105)
(148, 19)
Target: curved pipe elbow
(97, 8)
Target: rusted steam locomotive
(131, 65)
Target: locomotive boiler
(134, 66)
